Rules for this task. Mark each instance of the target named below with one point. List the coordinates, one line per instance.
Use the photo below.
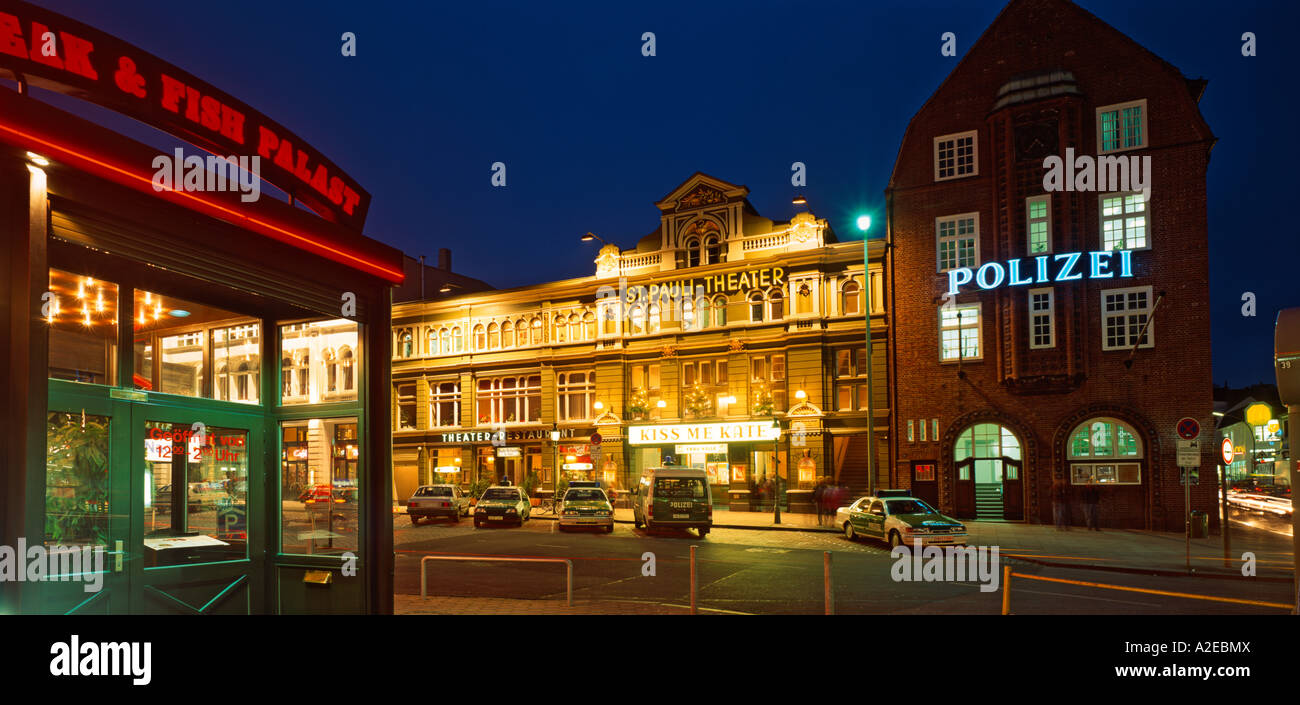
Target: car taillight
(710, 510)
(650, 512)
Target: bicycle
(547, 506)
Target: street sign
(1189, 453)
(595, 439)
(1227, 451)
(1188, 428)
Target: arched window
(713, 250)
(303, 373)
(987, 459)
(457, 342)
(537, 331)
(589, 325)
(286, 377)
(689, 321)
(494, 336)
(776, 304)
(720, 310)
(408, 344)
(637, 317)
(507, 334)
(575, 328)
(245, 382)
(559, 334)
(480, 338)
(445, 336)
(349, 374)
(1105, 451)
(431, 343)
(756, 307)
(331, 372)
(851, 298)
(223, 382)
(652, 319)
(693, 252)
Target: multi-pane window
(576, 395)
(644, 393)
(1038, 221)
(510, 399)
(1124, 314)
(1122, 126)
(776, 304)
(959, 333)
(1114, 449)
(756, 307)
(704, 388)
(851, 379)
(1124, 221)
(405, 396)
(405, 343)
(444, 404)
(851, 295)
(958, 240)
(1042, 319)
(767, 383)
(955, 156)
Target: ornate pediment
(804, 409)
(701, 191)
(609, 418)
(702, 196)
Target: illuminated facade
(685, 348)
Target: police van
(673, 498)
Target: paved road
(767, 572)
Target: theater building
(190, 378)
(684, 349)
(1052, 327)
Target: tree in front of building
(762, 400)
(697, 401)
(638, 403)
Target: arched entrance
(988, 467)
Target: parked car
(899, 520)
(586, 506)
(502, 504)
(673, 498)
(437, 501)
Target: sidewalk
(414, 604)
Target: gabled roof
(696, 180)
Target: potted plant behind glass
(477, 488)
(531, 483)
(638, 404)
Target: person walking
(1091, 500)
(818, 492)
(1061, 505)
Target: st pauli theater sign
(50, 51)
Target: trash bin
(1200, 524)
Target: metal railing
(568, 569)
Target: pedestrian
(818, 492)
(1061, 505)
(1091, 500)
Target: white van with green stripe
(673, 498)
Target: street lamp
(592, 236)
(776, 467)
(555, 461)
(864, 224)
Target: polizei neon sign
(1043, 269)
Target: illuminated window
(331, 372)
(335, 344)
(480, 337)
(653, 318)
(1042, 319)
(1124, 314)
(1038, 220)
(1124, 221)
(81, 318)
(959, 333)
(851, 378)
(538, 333)
(507, 334)
(642, 402)
(637, 317)
(509, 399)
(589, 325)
(767, 384)
(956, 155)
(405, 343)
(237, 351)
(1114, 448)
(851, 295)
(404, 397)
(576, 394)
(1122, 126)
(575, 328)
(494, 336)
(444, 404)
(559, 329)
(958, 241)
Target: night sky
(592, 132)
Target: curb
(1162, 572)
(742, 527)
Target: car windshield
(583, 495)
(679, 487)
(499, 493)
(433, 492)
(908, 506)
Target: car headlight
(512, 510)
(569, 512)
(480, 510)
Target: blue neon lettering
(1126, 263)
(1014, 279)
(1042, 270)
(957, 277)
(1064, 275)
(1096, 266)
(981, 279)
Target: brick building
(771, 329)
(1045, 366)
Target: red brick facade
(1052, 64)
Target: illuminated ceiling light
(800, 395)
(37, 159)
(142, 317)
(99, 300)
(81, 290)
(148, 297)
(179, 312)
(85, 312)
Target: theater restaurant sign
(740, 431)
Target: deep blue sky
(593, 133)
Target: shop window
(959, 333)
(196, 499)
(1124, 314)
(77, 470)
(1124, 221)
(320, 486)
(851, 379)
(643, 400)
(81, 318)
(576, 392)
(509, 399)
(447, 468)
(851, 299)
(404, 397)
(767, 384)
(444, 404)
(195, 350)
(319, 361)
(238, 354)
(1038, 224)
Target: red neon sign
(51, 51)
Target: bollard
(1006, 589)
(826, 578)
(693, 608)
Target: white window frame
(1128, 342)
(565, 388)
(1030, 221)
(1123, 217)
(1034, 314)
(1119, 107)
(975, 154)
(938, 239)
(437, 397)
(979, 334)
